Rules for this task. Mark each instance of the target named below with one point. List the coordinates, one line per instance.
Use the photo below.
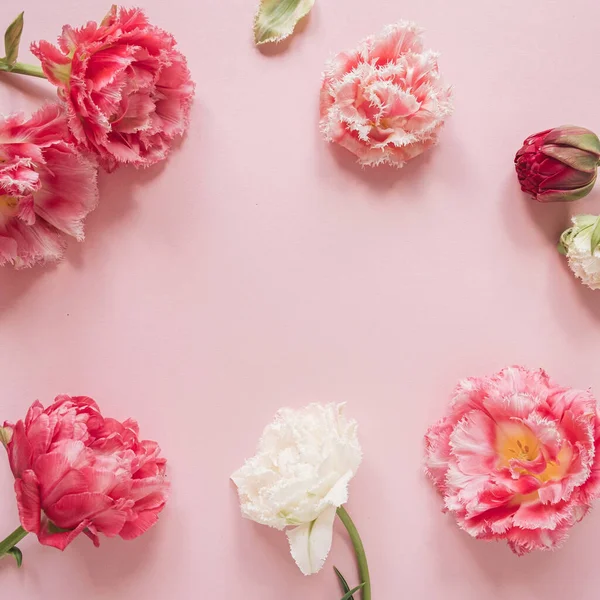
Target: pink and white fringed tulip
(46, 187)
(79, 472)
(384, 100)
(516, 458)
(127, 88)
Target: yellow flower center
(8, 205)
(517, 441)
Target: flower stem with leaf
(12, 39)
(361, 557)
(9, 545)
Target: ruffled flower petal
(46, 188)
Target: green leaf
(12, 39)
(595, 235)
(349, 593)
(14, 551)
(343, 582)
(276, 19)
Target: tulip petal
(28, 501)
(141, 524)
(73, 509)
(564, 195)
(276, 19)
(577, 137)
(574, 157)
(310, 542)
(19, 451)
(59, 539)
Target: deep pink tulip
(558, 165)
(77, 471)
(126, 86)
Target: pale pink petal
(437, 454)
(473, 442)
(69, 191)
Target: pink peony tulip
(46, 187)
(127, 89)
(516, 459)
(384, 100)
(76, 471)
(558, 164)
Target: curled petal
(310, 542)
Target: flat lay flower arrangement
(513, 457)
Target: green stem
(12, 540)
(23, 69)
(359, 549)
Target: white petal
(310, 542)
(338, 494)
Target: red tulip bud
(559, 164)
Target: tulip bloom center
(520, 451)
(8, 205)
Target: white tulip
(576, 243)
(299, 477)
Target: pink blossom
(384, 100)
(127, 89)
(77, 471)
(46, 187)
(515, 458)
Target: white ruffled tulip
(576, 242)
(299, 477)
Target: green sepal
(12, 39)
(564, 240)
(561, 247)
(595, 239)
(18, 555)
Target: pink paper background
(259, 267)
